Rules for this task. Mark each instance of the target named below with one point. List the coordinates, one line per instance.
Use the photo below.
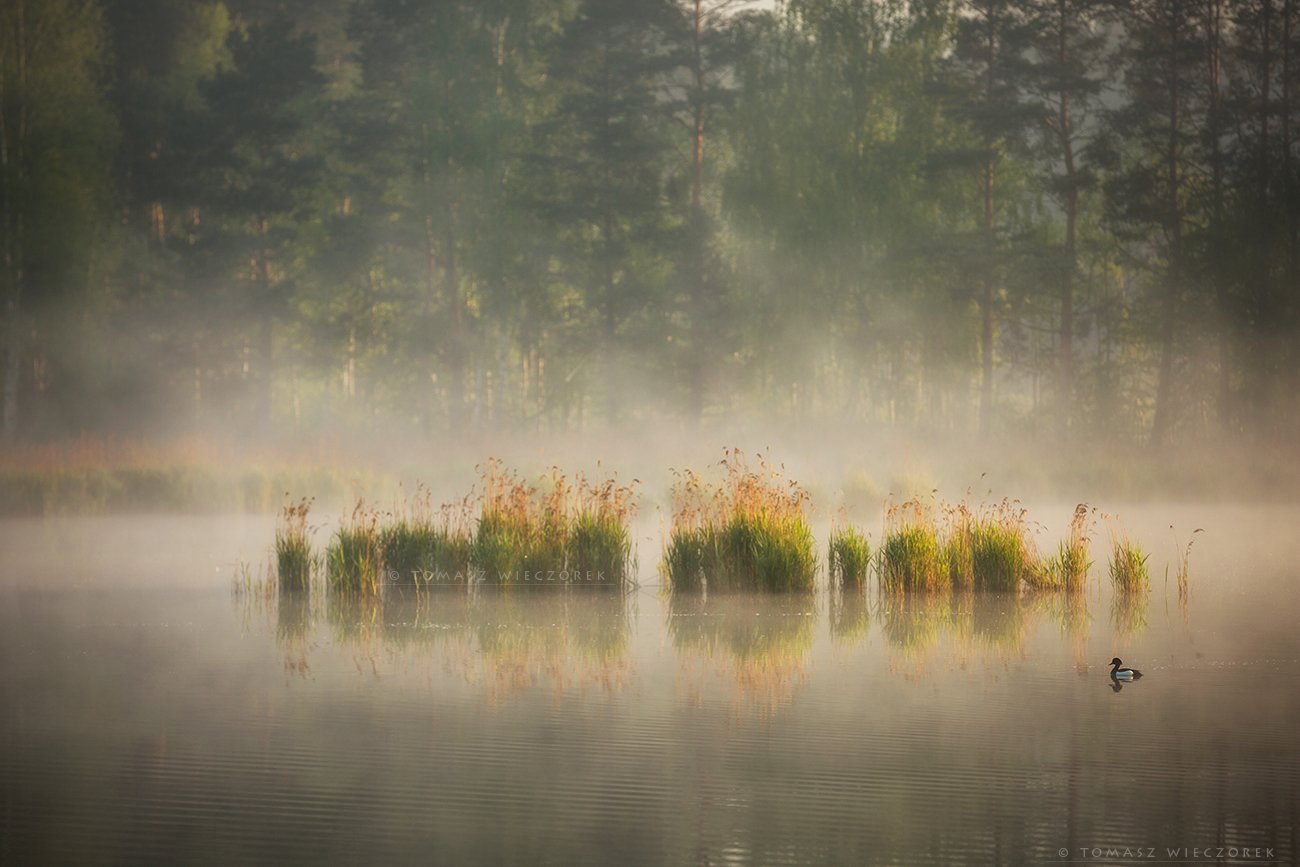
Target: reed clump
(748, 531)
(911, 556)
(959, 546)
(1068, 568)
(683, 559)
(293, 557)
(1001, 550)
(911, 559)
(849, 557)
(1128, 565)
(422, 546)
(353, 559)
(598, 540)
(933, 545)
(998, 557)
(1184, 570)
(566, 531)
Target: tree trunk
(1065, 384)
(1286, 392)
(613, 404)
(1270, 309)
(12, 176)
(986, 359)
(1214, 84)
(430, 276)
(457, 356)
(986, 300)
(197, 359)
(699, 250)
(266, 334)
(1173, 279)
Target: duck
(1119, 673)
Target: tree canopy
(1058, 218)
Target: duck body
(1118, 672)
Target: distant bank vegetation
(100, 476)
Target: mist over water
(338, 336)
(152, 714)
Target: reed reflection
(566, 640)
(759, 644)
(1128, 613)
(505, 640)
(954, 629)
(1070, 613)
(293, 630)
(850, 616)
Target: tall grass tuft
(911, 559)
(422, 546)
(849, 556)
(850, 617)
(510, 536)
(293, 558)
(911, 556)
(958, 546)
(565, 531)
(684, 558)
(933, 545)
(353, 560)
(599, 547)
(998, 556)
(1128, 565)
(1183, 571)
(1068, 568)
(1002, 554)
(748, 531)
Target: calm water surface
(150, 715)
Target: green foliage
(748, 532)
(71, 483)
(684, 558)
(998, 557)
(930, 544)
(1128, 566)
(1066, 570)
(353, 558)
(415, 552)
(293, 555)
(501, 544)
(421, 546)
(599, 548)
(911, 559)
(573, 532)
(849, 556)
(530, 212)
(959, 554)
(1069, 568)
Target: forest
(1057, 219)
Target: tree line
(1061, 218)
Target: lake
(150, 714)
